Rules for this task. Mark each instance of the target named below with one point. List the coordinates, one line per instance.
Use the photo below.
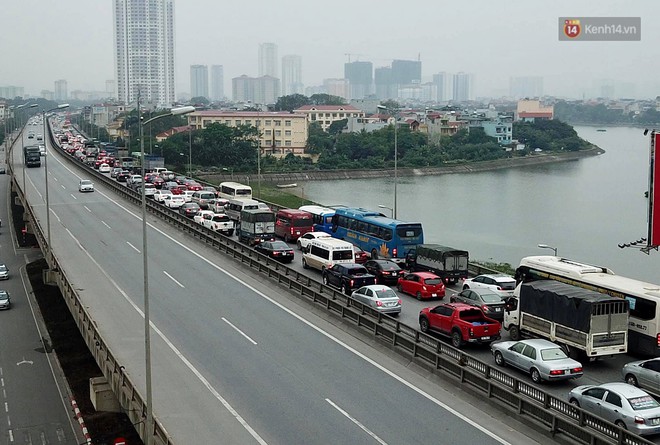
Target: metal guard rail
(527, 402)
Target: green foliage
(600, 114)
(291, 102)
(337, 126)
(326, 99)
(548, 135)
(390, 104)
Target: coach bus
(321, 217)
(234, 190)
(376, 233)
(644, 298)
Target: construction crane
(353, 54)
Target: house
(160, 137)
(327, 114)
(531, 110)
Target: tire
(457, 339)
(499, 359)
(287, 239)
(399, 288)
(374, 254)
(514, 333)
(574, 402)
(345, 289)
(465, 286)
(620, 423)
(536, 375)
(424, 324)
(631, 380)
(418, 295)
(304, 263)
(325, 280)
(299, 245)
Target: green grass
(281, 197)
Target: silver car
(4, 272)
(5, 301)
(643, 373)
(379, 297)
(542, 359)
(625, 405)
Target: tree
(390, 104)
(291, 102)
(326, 99)
(199, 100)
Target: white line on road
(239, 331)
(62, 185)
(53, 212)
(106, 224)
(357, 422)
(87, 208)
(173, 279)
(73, 196)
(6, 407)
(135, 248)
(2, 382)
(11, 436)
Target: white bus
(234, 190)
(321, 217)
(644, 298)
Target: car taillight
(352, 282)
(657, 339)
(276, 253)
(557, 372)
(424, 288)
(639, 420)
(379, 303)
(385, 273)
(394, 252)
(399, 302)
(576, 370)
(471, 332)
(484, 308)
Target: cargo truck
(446, 262)
(582, 321)
(256, 225)
(32, 156)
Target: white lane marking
(62, 185)
(11, 436)
(239, 331)
(357, 422)
(178, 353)
(105, 224)
(2, 382)
(173, 279)
(72, 195)
(87, 208)
(53, 212)
(6, 407)
(135, 248)
(56, 180)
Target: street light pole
(190, 151)
(145, 267)
(388, 208)
(545, 246)
(394, 112)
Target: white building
(462, 87)
(199, 81)
(292, 75)
(217, 82)
(268, 60)
(144, 50)
(61, 94)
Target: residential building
(360, 78)
(160, 137)
(267, 90)
(531, 110)
(4, 110)
(50, 95)
(144, 50)
(406, 72)
(110, 88)
(462, 87)
(385, 86)
(500, 129)
(268, 60)
(337, 87)
(292, 75)
(368, 123)
(327, 114)
(242, 88)
(441, 82)
(217, 83)
(60, 90)
(11, 92)
(280, 132)
(199, 81)
(526, 86)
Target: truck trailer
(32, 156)
(446, 262)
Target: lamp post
(145, 267)
(394, 112)
(381, 206)
(545, 246)
(43, 118)
(190, 150)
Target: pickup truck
(219, 222)
(461, 322)
(347, 276)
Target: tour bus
(324, 253)
(321, 217)
(643, 298)
(234, 207)
(234, 190)
(290, 224)
(376, 233)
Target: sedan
(4, 272)
(123, 175)
(278, 250)
(386, 271)
(624, 405)
(189, 209)
(500, 284)
(5, 301)
(643, 373)
(489, 302)
(361, 256)
(175, 201)
(85, 185)
(115, 171)
(422, 285)
(159, 195)
(542, 359)
(379, 297)
(199, 216)
(304, 240)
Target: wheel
(304, 263)
(514, 333)
(499, 359)
(465, 286)
(424, 324)
(536, 375)
(620, 424)
(345, 289)
(399, 288)
(299, 245)
(418, 295)
(631, 380)
(574, 402)
(456, 339)
(374, 254)
(325, 280)
(287, 239)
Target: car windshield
(552, 354)
(643, 402)
(507, 285)
(385, 293)
(491, 298)
(3, 268)
(85, 182)
(279, 245)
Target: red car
(178, 190)
(361, 256)
(194, 186)
(422, 285)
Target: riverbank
(325, 175)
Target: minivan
(234, 207)
(290, 224)
(202, 198)
(324, 253)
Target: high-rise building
(144, 50)
(268, 60)
(360, 77)
(243, 88)
(217, 82)
(406, 72)
(385, 87)
(110, 88)
(292, 75)
(462, 87)
(337, 87)
(441, 82)
(60, 90)
(199, 81)
(527, 86)
(260, 90)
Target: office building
(260, 90)
(217, 83)
(462, 87)
(60, 93)
(526, 86)
(199, 81)
(268, 60)
(292, 75)
(12, 92)
(144, 50)
(110, 88)
(406, 72)
(360, 77)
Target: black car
(189, 209)
(386, 271)
(489, 302)
(123, 176)
(278, 250)
(347, 276)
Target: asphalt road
(234, 356)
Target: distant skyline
(44, 42)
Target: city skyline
(519, 42)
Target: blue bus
(375, 233)
(321, 217)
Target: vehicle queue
(319, 233)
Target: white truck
(580, 320)
(219, 222)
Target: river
(583, 208)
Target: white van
(234, 207)
(324, 253)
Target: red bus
(290, 224)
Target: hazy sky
(43, 41)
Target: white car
(501, 284)
(219, 222)
(304, 240)
(161, 195)
(4, 272)
(85, 185)
(149, 190)
(105, 168)
(199, 216)
(175, 201)
(187, 195)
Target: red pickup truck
(461, 322)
